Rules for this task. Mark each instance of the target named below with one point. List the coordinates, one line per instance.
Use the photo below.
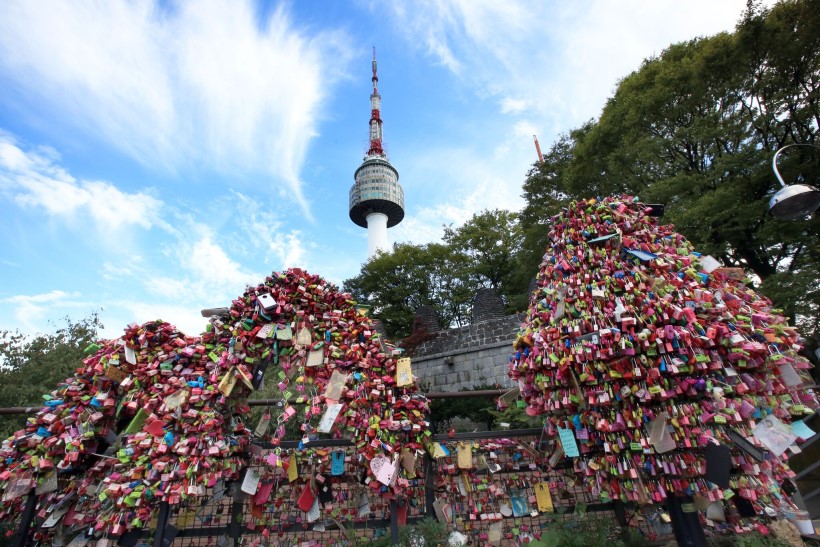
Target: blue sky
(156, 157)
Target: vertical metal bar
(162, 522)
(620, 512)
(394, 523)
(429, 486)
(25, 520)
(685, 522)
(237, 506)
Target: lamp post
(795, 200)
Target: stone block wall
(466, 357)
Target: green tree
(544, 195)
(696, 128)
(33, 366)
(479, 410)
(410, 276)
(492, 241)
(483, 252)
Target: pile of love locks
(157, 416)
(660, 372)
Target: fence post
(620, 512)
(162, 523)
(237, 506)
(25, 520)
(394, 522)
(429, 486)
(685, 523)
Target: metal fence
(227, 516)
(512, 461)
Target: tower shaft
(376, 233)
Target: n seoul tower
(376, 198)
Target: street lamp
(796, 200)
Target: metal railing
(228, 515)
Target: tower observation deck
(376, 197)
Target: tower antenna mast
(375, 114)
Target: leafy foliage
(747, 540)
(696, 128)
(586, 531)
(491, 240)
(476, 409)
(399, 282)
(481, 253)
(425, 532)
(516, 417)
(32, 367)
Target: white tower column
(376, 233)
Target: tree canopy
(696, 128)
(33, 366)
(480, 253)
(490, 240)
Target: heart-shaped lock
(382, 468)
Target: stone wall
(466, 357)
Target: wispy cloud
(187, 318)
(30, 311)
(262, 232)
(184, 264)
(546, 57)
(202, 85)
(204, 270)
(473, 182)
(33, 178)
(510, 105)
(547, 66)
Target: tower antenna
(375, 114)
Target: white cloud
(127, 266)
(191, 85)
(474, 182)
(213, 268)
(194, 268)
(183, 266)
(523, 128)
(262, 232)
(292, 250)
(31, 311)
(195, 272)
(39, 298)
(510, 105)
(187, 319)
(201, 274)
(429, 32)
(33, 179)
(560, 60)
(549, 66)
